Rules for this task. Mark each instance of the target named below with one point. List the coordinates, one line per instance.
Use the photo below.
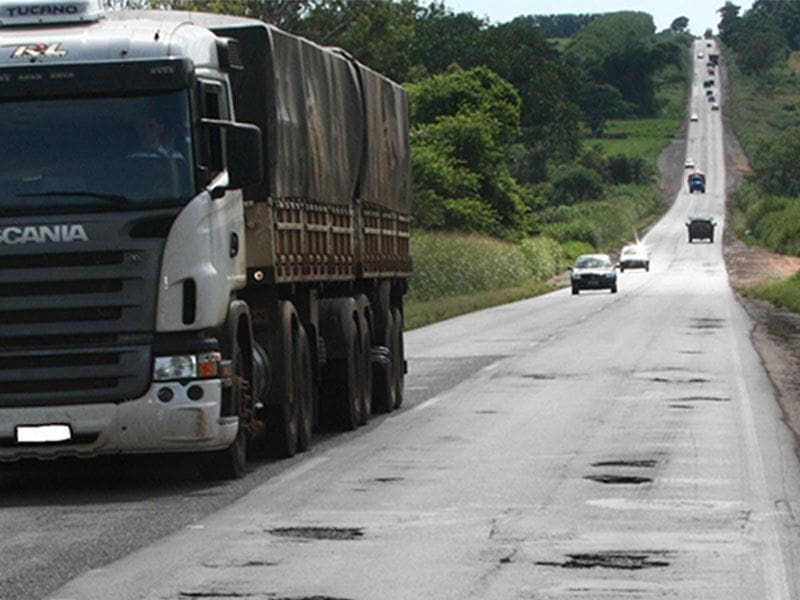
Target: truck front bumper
(143, 425)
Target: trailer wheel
(398, 357)
(281, 410)
(303, 388)
(340, 376)
(365, 355)
(229, 463)
(364, 370)
(383, 398)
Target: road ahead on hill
(599, 446)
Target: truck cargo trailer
(204, 236)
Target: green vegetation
(454, 274)
(782, 292)
(765, 114)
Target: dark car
(594, 272)
(701, 228)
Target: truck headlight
(190, 366)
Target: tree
(729, 21)
(600, 102)
(680, 24)
(463, 123)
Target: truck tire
(303, 387)
(383, 388)
(398, 357)
(229, 463)
(341, 377)
(365, 354)
(281, 410)
(575, 290)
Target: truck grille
(77, 319)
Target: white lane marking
(299, 470)
(427, 404)
(774, 568)
(492, 366)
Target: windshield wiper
(117, 199)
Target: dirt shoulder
(776, 332)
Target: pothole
(242, 564)
(631, 561)
(539, 376)
(704, 399)
(690, 352)
(682, 406)
(387, 479)
(647, 463)
(688, 380)
(707, 323)
(319, 533)
(215, 594)
(610, 479)
(485, 412)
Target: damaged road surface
(592, 447)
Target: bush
(575, 184)
(628, 169)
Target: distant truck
(701, 228)
(696, 182)
(204, 236)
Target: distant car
(712, 99)
(688, 163)
(708, 44)
(701, 228)
(594, 272)
(694, 117)
(708, 83)
(634, 256)
(709, 92)
(710, 70)
(715, 106)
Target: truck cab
(120, 205)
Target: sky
(701, 13)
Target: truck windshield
(98, 153)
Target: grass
(420, 313)
(782, 292)
(760, 108)
(642, 138)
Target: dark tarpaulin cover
(333, 129)
(386, 171)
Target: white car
(715, 106)
(634, 256)
(688, 164)
(700, 54)
(694, 117)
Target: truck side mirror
(243, 153)
(244, 156)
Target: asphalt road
(566, 447)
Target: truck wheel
(341, 375)
(365, 355)
(229, 463)
(711, 238)
(575, 290)
(398, 357)
(302, 379)
(613, 289)
(383, 399)
(647, 267)
(282, 410)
